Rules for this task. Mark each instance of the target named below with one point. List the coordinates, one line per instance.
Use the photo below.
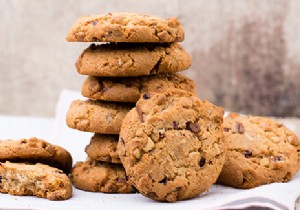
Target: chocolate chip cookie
(96, 176)
(38, 179)
(130, 89)
(103, 148)
(171, 145)
(127, 59)
(35, 150)
(260, 151)
(125, 27)
(96, 116)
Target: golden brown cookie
(129, 89)
(35, 150)
(172, 145)
(127, 59)
(125, 27)
(39, 180)
(96, 116)
(103, 148)
(260, 151)
(96, 176)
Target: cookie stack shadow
(141, 54)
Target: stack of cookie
(142, 56)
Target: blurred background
(246, 54)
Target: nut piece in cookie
(260, 151)
(39, 180)
(172, 145)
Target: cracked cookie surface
(171, 145)
(35, 150)
(38, 179)
(260, 151)
(96, 116)
(125, 27)
(96, 176)
(103, 148)
(127, 59)
(129, 89)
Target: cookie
(125, 27)
(35, 150)
(260, 151)
(103, 148)
(96, 176)
(39, 180)
(127, 59)
(130, 89)
(172, 145)
(96, 116)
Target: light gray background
(246, 54)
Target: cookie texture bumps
(96, 176)
(131, 88)
(171, 145)
(260, 151)
(38, 179)
(128, 59)
(103, 148)
(35, 150)
(125, 27)
(97, 116)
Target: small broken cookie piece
(34, 179)
(260, 151)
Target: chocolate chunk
(175, 125)
(164, 181)
(194, 127)
(226, 129)
(248, 154)
(240, 128)
(202, 162)
(95, 22)
(140, 113)
(146, 96)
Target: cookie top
(260, 151)
(172, 145)
(125, 27)
(129, 89)
(35, 150)
(96, 116)
(103, 148)
(96, 176)
(34, 179)
(127, 59)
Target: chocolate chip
(0, 179)
(194, 127)
(140, 113)
(175, 124)
(226, 129)
(161, 135)
(126, 177)
(164, 181)
(95, 22)
(202, 162)
(240, 128)
(146, 96)
(276, 158)
(279, 158)
(121, 180)
(248, 154)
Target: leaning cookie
(125, 27)
(125, 60)
(103, 148)
(97, 176)
(38, 179)
(131, 88)
(35, 150)
(260, 151)
(171, 145)
(96, 116)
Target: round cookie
(96, 116)
(125, 27)
(35, 150)
(127, 59)
(260, 151)
(103, 148)
(171, 145)
(96, 176)
(130, 89)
